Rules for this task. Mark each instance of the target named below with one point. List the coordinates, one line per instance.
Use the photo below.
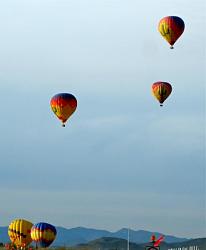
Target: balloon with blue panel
(43, 234)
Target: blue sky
(121, 161)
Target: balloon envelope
(19, 232)
(63, 106)
(161, 90)
(43, 234)
(171, 28)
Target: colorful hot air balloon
(19, 232)
(171, 28)
(43, 234)
(161, 90)
(63, 106)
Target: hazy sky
(121, 161)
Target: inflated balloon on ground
(43, 234)
(19, 232)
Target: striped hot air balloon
(43, 234)
(19, 232)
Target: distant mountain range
(81, 235)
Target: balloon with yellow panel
(19, 232)
(43, 234)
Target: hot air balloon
(43, 234)
(19, 232)
(63, 106)
(161, 90)
(171, 28)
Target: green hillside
(108, 243)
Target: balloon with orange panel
(63, 105)
(19, 232)
(161, 91)
(171, 28)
